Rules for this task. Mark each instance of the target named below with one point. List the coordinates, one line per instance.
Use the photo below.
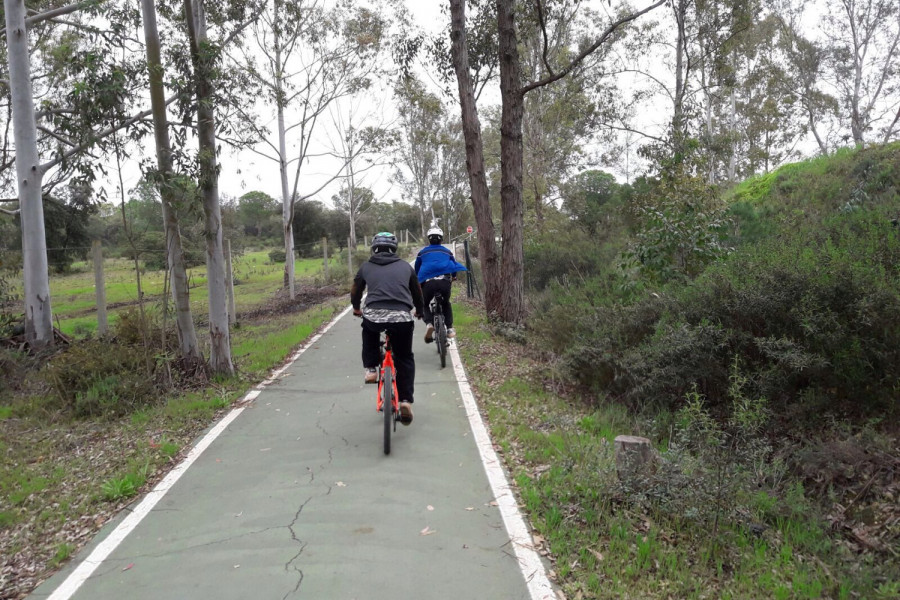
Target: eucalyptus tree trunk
(287, 202)
(29, 173)
(678, 134)
(187, 335)
(287, 205)
(351, 206)
(487, 247)
(512, 304)
(219, 335)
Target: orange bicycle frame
(387, 361)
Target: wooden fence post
(325, 255)
(99, 288)
(229, 274)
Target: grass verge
(609, 541)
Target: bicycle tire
(387, 407)
(441, 338)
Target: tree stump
(634, 458)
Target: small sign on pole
(469, 229)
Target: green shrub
(99, 378)
(809, 316)
(10, 310)
(277, 256)
(570, 255)
(153, 251)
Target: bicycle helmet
(384, 242)
(435, 235)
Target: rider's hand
(357, 312)
(418, 315)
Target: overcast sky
(246, 171)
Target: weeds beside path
(779, 540)
(61, 479)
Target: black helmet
(384, 242)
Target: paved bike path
(296, 499)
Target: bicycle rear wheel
(387, 406)
(440, 330)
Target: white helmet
(435, 232)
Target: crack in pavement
(289, 565)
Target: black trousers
(401, 347)
(429, 288)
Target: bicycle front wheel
(387, 407)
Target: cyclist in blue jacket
(436, 269)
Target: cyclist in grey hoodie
(394, 292)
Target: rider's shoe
(371, 375)
(451, 333)
(406, 415)
(429, 334)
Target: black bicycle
(440, 327)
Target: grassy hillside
(766, 381)
(810, 192)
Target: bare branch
(55, 136)
(57, 12)
(539, 6)
(99, 136)
(590, 49)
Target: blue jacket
(435, 260)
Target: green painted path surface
(295, 499)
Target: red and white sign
(469, 229)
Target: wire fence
(86, 280)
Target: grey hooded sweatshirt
(392, 284)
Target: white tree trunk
(351, 201)
(732, 161)
(219, 334)
(38, 316)
(287, 206)
(187, 334)
(287, 203)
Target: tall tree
(203, 58)
(184, 322)
(864, 57)
(804, 74)
(487, 246)
(313, 57)
(512, 93)
(451, 178)
(38, 314)
(557, 119)
(421, 114)
(353, 202)
(363, 144)
(97, 94)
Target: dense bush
(153, 251)
(110, 378)
(95, 378)
(561, 251)
(812, 317)
(10, 310)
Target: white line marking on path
(533, 570)
(81, 574)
